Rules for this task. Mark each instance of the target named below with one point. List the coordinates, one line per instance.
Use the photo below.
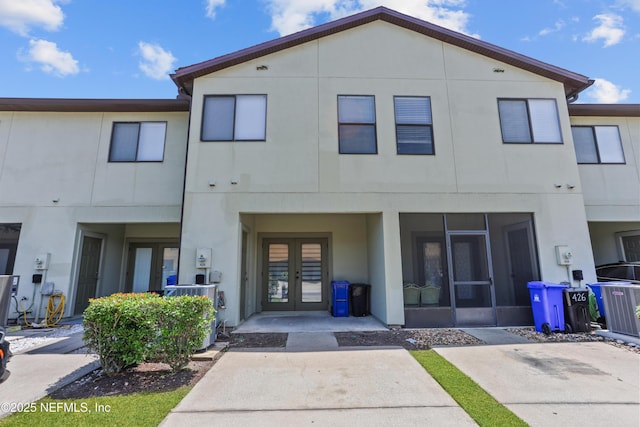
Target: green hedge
(128, 329)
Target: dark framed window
(597, 144)
(357, 124)
(529, 121)
(234, 118)
(137, 142)
(414, 125)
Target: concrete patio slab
(307, 321)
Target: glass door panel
(142, 269)
(169, 263)
(278, 273)
(311, 272)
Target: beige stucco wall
(55, 175)
(612, 191)
(298, 168)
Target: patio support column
(393, 268)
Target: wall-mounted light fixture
(557, 185)
(212, 183)
(571, 186)
(262, 68)
(498, 70)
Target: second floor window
(529, 121)
(234, 118)
(357, 124)
(414, 127)
(597, 144)
(137, 142)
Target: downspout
(182, 94)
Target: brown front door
(89, 272)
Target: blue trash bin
(340, 298)
(547, 306)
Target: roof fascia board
(93, 105)
(605, 110)
(573, 82)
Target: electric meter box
(41, 261)
(203, 258)
(564, 255)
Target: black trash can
(576, 310)
(360, 299)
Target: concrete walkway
(35, 373)
(557, 384)
(372, 387)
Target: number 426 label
(579, 296)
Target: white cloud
(605, 92)
(611, 29)
(51, 59)
(289, 16)
(156, 62)
(559, 25)
(633, 4)
(20, 16)
(212, 6)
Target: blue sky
(126, 49)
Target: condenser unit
(620, 302)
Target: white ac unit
(620, 303)
(210, 291)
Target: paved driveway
(557, 384)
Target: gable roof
(573, 83)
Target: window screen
(524, 121)
(597, 144)
(357, 125)
(137, 142)
(414, 132)
(234, 118)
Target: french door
(294, 274)
(150, 264)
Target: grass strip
(479, 404)
(138, 409)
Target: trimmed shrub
(128, 329)
(182, 323)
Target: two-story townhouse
(377, 149)
(94, 189)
